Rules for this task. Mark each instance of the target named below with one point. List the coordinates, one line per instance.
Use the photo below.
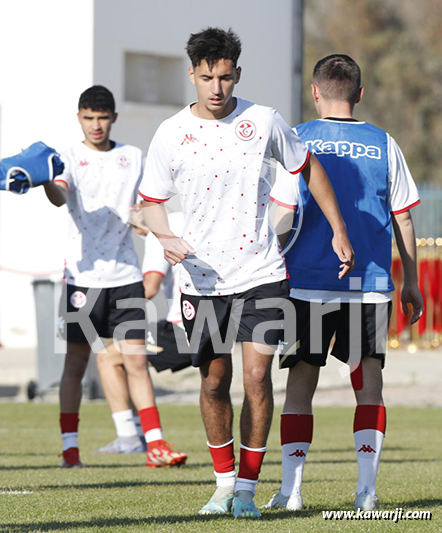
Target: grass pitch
(116, 493)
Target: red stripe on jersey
(370, 417)
(406, 208)
(303, 166)
(63, 181)
(156, 200)
(154, 272)
(282, 204)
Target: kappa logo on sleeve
(343, 148)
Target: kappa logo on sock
(298, 453)
(366, 449)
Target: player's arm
(175, 248)
(283, 222)
(152, 283)
(322, 191)
(406, 243)
(56, 192)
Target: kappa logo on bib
(245, 130)
(78, 299)
(188, 310)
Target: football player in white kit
(99, 186)
(216, 153)
(162, 341)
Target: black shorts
(104, 315)
(246, 322)
(299, 346)
(162, 347)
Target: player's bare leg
(216, 406)
(113, 378)
(256, 419)
(75, 364)
(217, 414)
(76, 360)
(369, 432)
(159, 452)
(114, 382)
(296, 434)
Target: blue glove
(35, 166)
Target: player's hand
(411, 295)
(344, 250)
(136, 218)
(175, 249)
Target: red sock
(223, 457)
(296, 428)
(250, 462)
(149, 418)
(370, 417)
(69, 422)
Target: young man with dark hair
(216, 153)
(99, 185)
(375, 191)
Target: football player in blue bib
(375, 191)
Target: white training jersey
(102, 190)
(154, 261)
(221, 170)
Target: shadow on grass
(209, 465)
(154, 520)
(419, 504)
(146, 484)
(57, 467)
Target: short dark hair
(338, 77)
(97, 98)
(213, 44)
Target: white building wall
(162, 28)
(46, 61)
(63, 47)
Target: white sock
(153, 434)
(69, 440)
(226, 479)
(138, 426)
(124, 423)
(368, 444)
(246, 484)
(294, 455)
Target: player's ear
(361, 94)
(315, 93)
(191, 74)
(114, 118)
(238, 71)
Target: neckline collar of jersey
(114, 145)
(235, 112)
(346, 120)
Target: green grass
(117, 493)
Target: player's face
(96, 126)
(214, 87)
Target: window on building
(151, 79)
